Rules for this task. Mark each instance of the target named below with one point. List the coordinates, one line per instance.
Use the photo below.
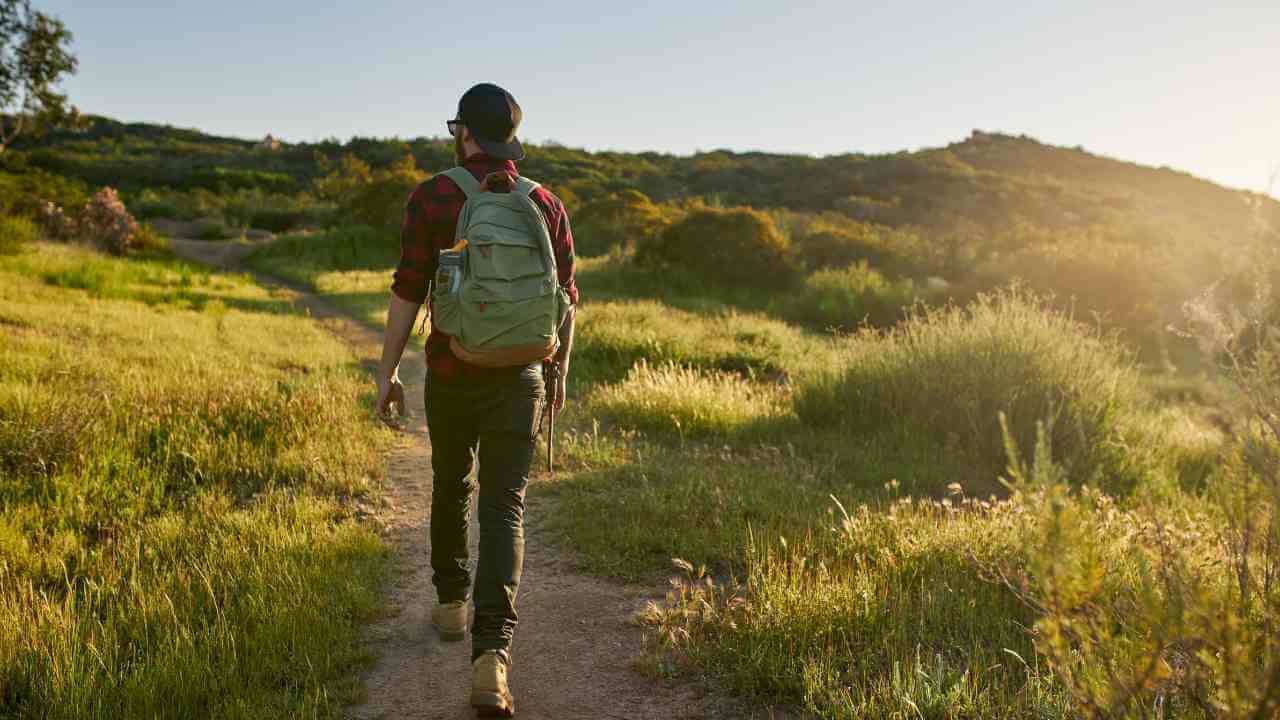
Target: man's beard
(459, 153)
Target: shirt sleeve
(417, 261)
(562, 243)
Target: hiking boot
(489, 693)
(450, 620)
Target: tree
(34, 57)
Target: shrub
(149, 240)
(24, 189)
(276, 220)
(1124, 285)
(370, 197)
(834, 247)
(846, 298)
(209, 229)
(617, 222)
(1169, 605)
(105, 222)
(943, 376)
(828, 240)
(15, 233)
(160, 204)
(737, 246)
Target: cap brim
(501, 150)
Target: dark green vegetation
(845, 541)
(178, 452)
(1125, 243)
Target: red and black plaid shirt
(430, 222)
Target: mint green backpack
(501, 302)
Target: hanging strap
(463, 178)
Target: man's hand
(400, 316)
(555, 393)
(391, 393)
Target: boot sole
(489, 704)
(451, 636)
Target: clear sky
(1191, 85)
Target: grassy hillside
(911, 428)
(861, 236)
(849, 542)
(179, 453)
(996, 182)
(833, 502)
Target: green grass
(178, 455)
(352, 267)
(877, 614)
(704, 429)
(691, 403)
(16, 233)
(614, 335)
(892, 611)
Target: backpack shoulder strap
(463, 178)
(525, 186)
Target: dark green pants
(492, 421)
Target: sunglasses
(453, 126)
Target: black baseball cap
(492, 115)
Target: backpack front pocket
(498, 260)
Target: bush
(738, 246)
(209, 229)
(105, 222)
(846, 298)
(828, 240)
(1123, 285)
(1169, 605)
(274, 212)
(944, 376)
(24, 189)
(276, 220)
(617, 222)
(148, 240)
(371, 197)
(165, 204)
(827, 246)
(16, 233)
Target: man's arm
(401, 315)
(562, 358)
(408, 292)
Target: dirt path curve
(574, 647)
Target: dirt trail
(574, 647)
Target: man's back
(430, 225)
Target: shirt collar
(483, 164)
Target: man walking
(483, 397)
